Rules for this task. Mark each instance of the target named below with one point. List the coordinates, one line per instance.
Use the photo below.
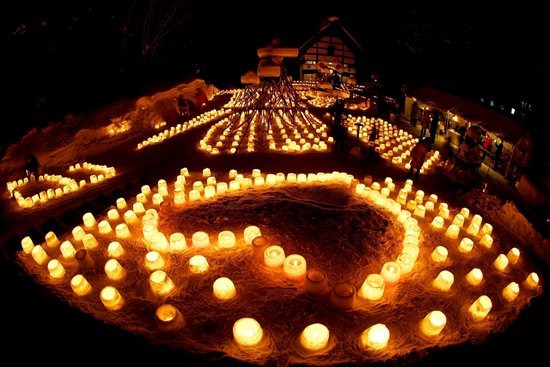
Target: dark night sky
(65, 59)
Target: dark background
(71, 57)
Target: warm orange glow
(80, 285)
(224, 289)
(433, 323)
(480, 308)
(274, 256)
(198, 264)
(294, 267)
(375, 337)
(391, 271)
(111, 298)
(315, 337)
(247, 332)
(444, 280)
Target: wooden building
(331, 53)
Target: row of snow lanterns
(180, 128)
(294, 268)
(417, 208)
(294, 141)
(68, 185)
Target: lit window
(492, 103)
(513, 111)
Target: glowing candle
(80, 285)
(444, 280)
(511, 291)
(39, 255)
(480, 308)
(486, 240)
(294, 267)
(115, 250)
(27, 245)
(316, 282)
(420, 211)
(375, 337)
(413, 230)
(405, 262)
(411, 249)
(501, 262)
(274, 256)
(433, 323)
(89, 220)
(121, 204)
(513, 255)
(56, 269)
(160, 283)
(373, 287)
(439, 254)
(179, 200)
(224, 289)
(157, 199)
(67, 250)
(122, 231)
(104, 227)
(178, 242)
(149, 219)
(452, 231)
(315, 337)
(473, 229)
(342, 296)
(89, 241)
(111, 298)
(458, 220)
(51, 240)
(130, 217)
(466, 245)
(113, 214)
(159, 242)
(429, 206)
(532, 281)
(486, 229)
(169, 318)
(391, 271)
(477, 219)
(198, 264)
(154, 261)
(259, 244)
(200, 239)
(250, 233)
(226, 239)
(247, 332)
(402, 216)
(114, 270)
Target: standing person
(200, 99)
(434, 125)
(425, 123)
(340, 136)
(337, 110)
(415, 113)
(372, 137)
(418, 156)
(498, 153)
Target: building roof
(332, 27)
(490, 120)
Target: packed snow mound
(60, 144)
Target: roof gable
(331, 27)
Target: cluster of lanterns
(65, 258)
(66, 185)
(197, 121)
(280, 136)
